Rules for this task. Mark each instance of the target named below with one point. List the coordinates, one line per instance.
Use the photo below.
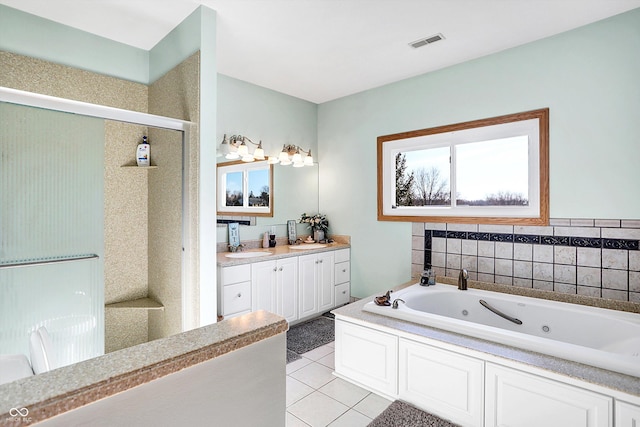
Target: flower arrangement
(316, 222)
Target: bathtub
(597, 337)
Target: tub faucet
(395, 303)
(462, 279)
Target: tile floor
(316, 398)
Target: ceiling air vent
(423, 42)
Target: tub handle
(499, 313)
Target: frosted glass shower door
(51, 231)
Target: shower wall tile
(593, 257)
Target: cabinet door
(263, 286)
(326, 281)
(368, 357)
(308, 297)
(627, 415)
(342, 294)
(287, 288)
(236, 298)
(442, 382)
(518, 399)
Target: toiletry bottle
(265, 240)
(143, 154)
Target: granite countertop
(70, 387)
(278, 252)
(609, 379)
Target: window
(245, 188)
(485, 171)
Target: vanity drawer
(342, 255)
(343, 272)
(342, 294)
(237, 298)
(236, 274)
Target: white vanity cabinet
(234, 290)
(368, 357)
(627, 415)
(342, 277)
(316, 283)
(444, 383)
(515, 398)
(274, 287)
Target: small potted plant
(318, 223)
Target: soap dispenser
(143, 154)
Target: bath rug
(310, 334)
(291, 356)
(402, 414)
(329, 315)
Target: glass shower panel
(51, 209)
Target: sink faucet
(462, 279)
(237, 248)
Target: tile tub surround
(589, 257)
(73, 386)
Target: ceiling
(320, 50)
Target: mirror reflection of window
(493, 173)
(233, 186)
(258, 187)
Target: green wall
(588, 78)
(41, 38)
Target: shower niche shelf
(139, 167)
(137, 304)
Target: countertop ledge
(600, 377)
(70, 387)
(277, 252)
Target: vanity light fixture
(235, 147)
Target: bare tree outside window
(430, 188)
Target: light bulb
(308, 161)
(273, 160)
(243, 150)
(259, 153)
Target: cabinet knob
(280, 268)
(239, 295)
(275, 268)
(316, 261)
(344, 270)
(321, 261)
(344, 292)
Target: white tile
(533, 230)
(522, 283)
(621, 233)
(439, 244)
(469, 247)
(589, 276)
(329, 360)
(491, 228)
(614, 294)
(564, 255)
(417, 229)
(435, 226)
(485, 265)
(631, 223)
(314, 375)
(576, 222)
(317, 409)
(522, 252)
(542, 285)
(607, 223)
(504, 267)
(503, 280)
(487, 278)
(565, 288)
(564, 274)
(589, 257)
(292, 421)
(351, 418)
(344, 392)
(522, 269)
(417, 242)
(589, 291)
(615, 258)
(504, 250)
(634, 260)
(372, 405)
(486, 249)
(634, 281)
(543, 271)
(297, 364)
(462, 227)
(576, 231)
(296, 390)
(438, 259)
(543, 253)
(454, 246)
(559, 222)
(454, 262)
(470, 262)
(318, 353)
(615, 279)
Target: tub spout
(462, 279)
(395, 303)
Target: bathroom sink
(247, 254)
(308, 246)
